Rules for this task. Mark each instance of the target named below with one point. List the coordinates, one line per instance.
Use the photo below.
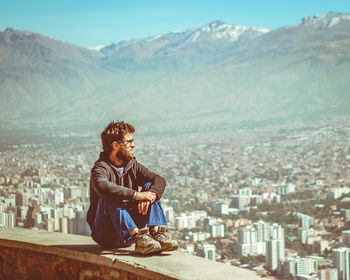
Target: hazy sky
(98, 22)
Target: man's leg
(156, 221)
(113, 226)
(155, 215)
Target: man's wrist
(136, 194)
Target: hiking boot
(144, 243)
(164, 240)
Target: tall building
(58, 196)
(305, 221)
(239, 201)
(253, 239)
(286, 189)
(262, 230)
(245, 192)
(272, 254)
(7, 219)
(346, 237)
(220, 207)
(275, 247)
(303, 234)
(169, 214)
(64, 224)
(217, 230)
(341, 261)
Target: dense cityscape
(274, 199)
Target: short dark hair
(114, 131)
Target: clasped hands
(145, 200)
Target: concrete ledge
(34, 254)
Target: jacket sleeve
(144, 175)
(105, 188)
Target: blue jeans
(115, 220)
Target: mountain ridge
(183, 79)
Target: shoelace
(144, 238)
(161, 236)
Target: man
(119, 213)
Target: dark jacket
(109, 183)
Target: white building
(217, 230)
(341, 261)
(253, 239)
(271, 196)
(220, 207)
(337, 192)
(38, 219)
(286, 189)
(328, 274)
(198, 215)
(245, 192)
(184, 221)
(7, 219)
(207, 251)
(305, 221)
(275, 247)
(240, 201)
(198, 236)
(58, 196)
(72, 192)
(273, 253)
(294, 265)
(169, 214)
(64, 224)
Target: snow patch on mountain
(324, 20)
(97, 48)
(216, 30)
(219, 30)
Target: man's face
(126, 151)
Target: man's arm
(144, 175)
(145, 198)
(107, 189)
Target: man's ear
(115, 145)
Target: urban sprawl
(273, 199)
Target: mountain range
(218, 75)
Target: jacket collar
(104, 157)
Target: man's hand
(145, 200)
(146, 196)
(143, 207)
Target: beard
(124, 154)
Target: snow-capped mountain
(179, 49)
(216, 30)
(325, 20)
(217, 73)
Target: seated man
(120, 214)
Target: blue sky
(91, 23)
